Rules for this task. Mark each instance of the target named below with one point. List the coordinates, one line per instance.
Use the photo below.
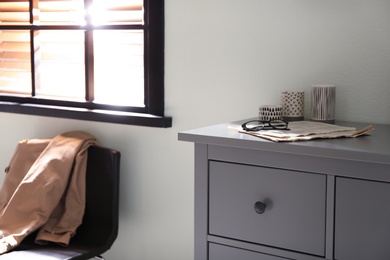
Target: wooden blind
(15, 68)
(72, 12)
(100, 12)
(15, 76)
(61, 12)
(117, 12)
(14, 12)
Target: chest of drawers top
(374, 147)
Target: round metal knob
(260, 207)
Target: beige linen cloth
(44, 189)
(309, 130)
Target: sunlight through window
(83, 54)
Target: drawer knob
(260, 207)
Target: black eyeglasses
(257, 125)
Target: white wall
(223, 59)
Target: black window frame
(151, 115)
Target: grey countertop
(374, 147)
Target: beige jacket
(44, 189)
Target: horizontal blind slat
(14, 6)
(13, 66)
(12, 12)
(117, 11)
(14, 17)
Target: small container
(323, 103)
(270, 112)
(293, 105)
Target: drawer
(221, 252)
(295, 205)
(362, 220)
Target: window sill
(117, 117)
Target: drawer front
(295, 205)
(362, 220)
(221, 252)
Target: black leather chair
(100, 224)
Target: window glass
(59, 63)
(70, 57)
(119, 67)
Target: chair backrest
(99, 229)
(100, 222)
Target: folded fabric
(309, 130)
(44, 188)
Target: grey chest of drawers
(320, 199)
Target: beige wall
(223, 59)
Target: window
(100, 60)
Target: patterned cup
(293, 105)
(269, 112)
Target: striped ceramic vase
(323, 104)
